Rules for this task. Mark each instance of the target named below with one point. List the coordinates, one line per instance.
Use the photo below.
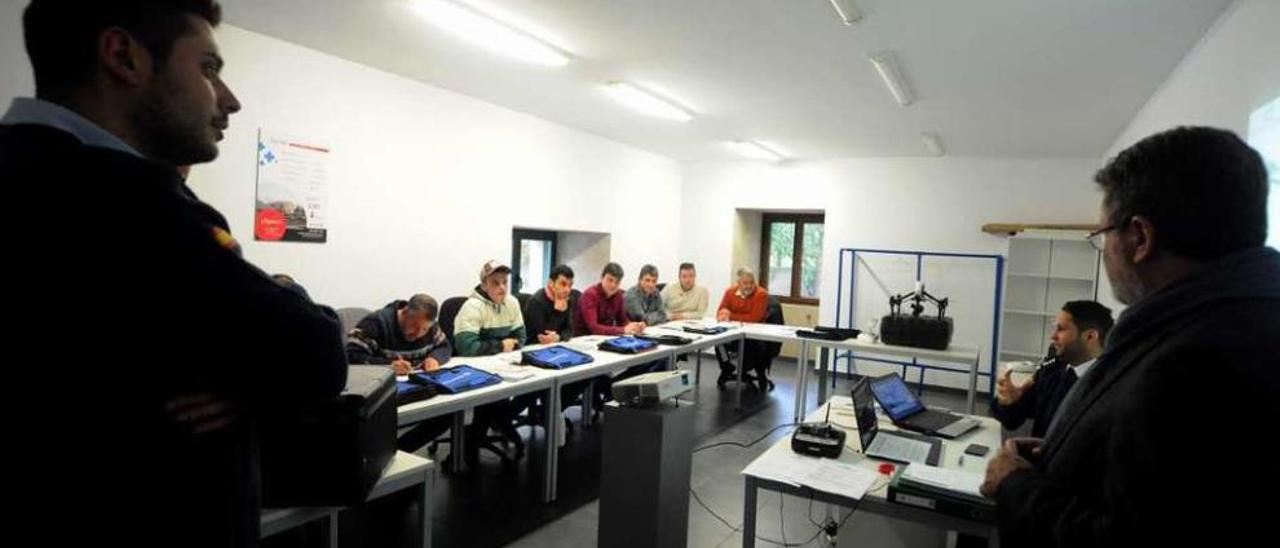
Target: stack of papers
(828, 475)
(960, 481)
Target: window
(533, 253)
(791, 256)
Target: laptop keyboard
(932, 420)
(900, 448)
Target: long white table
(606, 363)
(967, 355)
(457, 405)
(875, 501)
(405, 471)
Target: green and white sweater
(482, 324)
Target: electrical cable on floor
(784, 544)
(748, 444)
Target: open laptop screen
(864, 410)
(894, 396)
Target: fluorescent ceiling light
(483, 30)
(754, 151)
(847, 10)
(646, 102)
(933, 143)
(887, 68)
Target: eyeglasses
(1098, 238)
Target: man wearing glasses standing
(1144, 451)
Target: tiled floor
(495, 505)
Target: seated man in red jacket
(744, 302)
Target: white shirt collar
(1083, 368)
(26, 110)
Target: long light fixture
(647, 102)
(933, 143)
(887, 68)
(754, 150)
(848, 11)
(484, 30)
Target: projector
(652, 388)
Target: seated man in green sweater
(490, 322)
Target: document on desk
(841, 478)
(828, 475)
(508, 372)
(961, 481)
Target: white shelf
(1021, 354)
(1021, 312)
(1053, 277)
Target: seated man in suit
(1078, 339)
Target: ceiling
(1003, 78)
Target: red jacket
(750, 309)
(598, 314)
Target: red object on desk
(886, 469)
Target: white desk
(967, 355)
(457, 404)
(700, 343)
(875, 501)
(405, 471)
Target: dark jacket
(136, 261)
(1168, 442)
(378, 339)
(540, 315)
(1038, 403)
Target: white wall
(1232, 71)
(15, 70)
(934, 204)
(425, 184)
(586, 253)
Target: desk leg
(552, 427)
(333, 530)
(697, 368)
(424, 506)
(588, 402)
(742, 368)
(458, 439)
(823, 354)
(749, 512)
(973, 382)
(802, 370)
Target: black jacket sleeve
(364, 343)
(534, 319)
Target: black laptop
(895, 446)
(908, 413)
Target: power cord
(750, 443)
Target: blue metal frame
(920, 256)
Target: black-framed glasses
(1098, 238)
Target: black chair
(767, 351)
(523, 298)
(448, 313)
(350, 317)
(759, 354)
